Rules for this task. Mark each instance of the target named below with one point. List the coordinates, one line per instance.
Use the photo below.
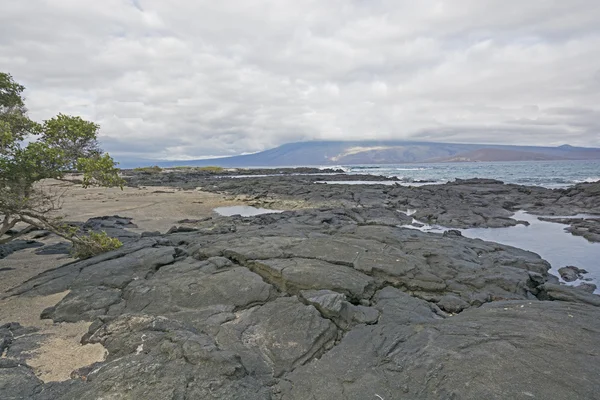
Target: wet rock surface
(588, 228)
(326, 303)
(571, 273)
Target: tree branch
(25, 231)
(6, 226)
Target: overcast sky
(184, 79)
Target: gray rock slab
(513, 349)
(194, 290)
(156, 358)
(294, 274)
(278, 336)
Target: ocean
(550, 174)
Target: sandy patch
(27, 310)
(60, 352)
(152, 208)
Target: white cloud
(195, 78)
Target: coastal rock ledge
(316, 304)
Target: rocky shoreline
(483, 203)
(331, 300)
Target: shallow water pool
(548, 239)
(244, 211)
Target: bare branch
(6, 226)
(19, 234)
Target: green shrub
(212, 169)
(151, 170)
(94, 243)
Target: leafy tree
(31, 152)
(74, 136)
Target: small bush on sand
(150, 170)
(94, 243)
(212, 169)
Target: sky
(185, 79)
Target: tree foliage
(14, 123)
(75, 137)
(31, 152)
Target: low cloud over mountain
(188, 79)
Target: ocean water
(551, 174)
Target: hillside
(392, 152)
(499, 155)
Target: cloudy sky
(185, 79)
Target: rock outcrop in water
(589, 228)
(330, 303)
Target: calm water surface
(548, 239)
(244, 211)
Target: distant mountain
(499, 155)
(391, 152)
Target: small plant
(150, 170)
(94, 243)
(212, 169)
